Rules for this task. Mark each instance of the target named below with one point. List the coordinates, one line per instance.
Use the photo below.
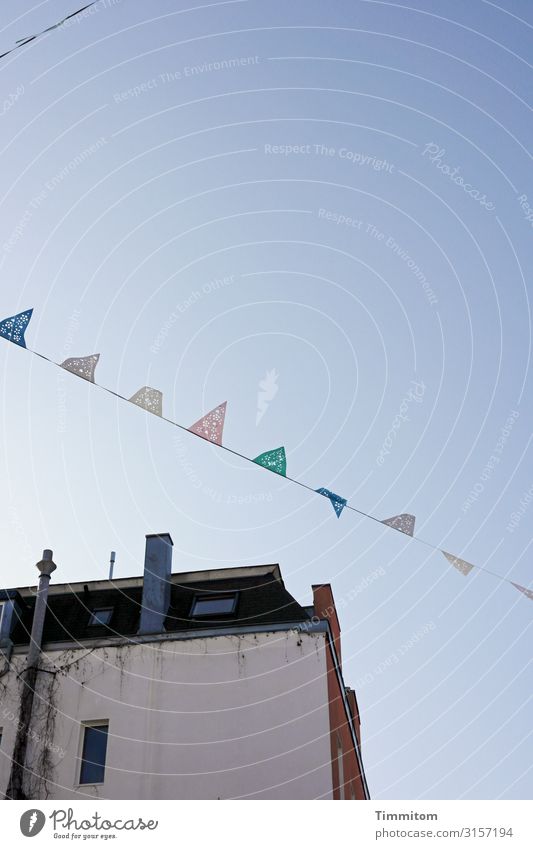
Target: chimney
(156, 583)
(324, 605)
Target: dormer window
(214, 604)
(101, 616)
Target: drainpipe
(15, 788)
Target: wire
(22, 41)
(528, 593)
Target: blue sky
(347, 206)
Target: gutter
(196, 634)
(323, 627)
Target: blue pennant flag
(338, 503)
(13, 328)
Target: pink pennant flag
(211, 425)
(528, 593)
(461, 565)
(405, 523)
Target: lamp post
(15, 788)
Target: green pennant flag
(274, 460)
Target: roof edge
(176, 578)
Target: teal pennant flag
(274, 460)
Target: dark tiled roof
(262, 600)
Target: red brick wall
(324, 607)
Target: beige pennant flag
(82, 366)
(149, 399)
(528, 593)
(461, 565)
(405, 523)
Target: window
(210, 604)
(1, 732)
(93, 753)
(1, 613)
(101, 616)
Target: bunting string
(210, 428)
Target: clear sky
(344, 206)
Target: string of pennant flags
(211, 426)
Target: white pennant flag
(405, 523)
(82, 366)
(149, 399)
(461, 565)
(528, 593)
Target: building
(200, 685)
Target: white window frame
(90, 723)
(91, 624)
(214, 596)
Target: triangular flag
(405, 523)
(274, 460)
(211, 425)
(528, 593)
(338, 503)
(82, 366)
(13, 328)
(150, 399)
(463, 567)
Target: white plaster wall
(222, 717)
